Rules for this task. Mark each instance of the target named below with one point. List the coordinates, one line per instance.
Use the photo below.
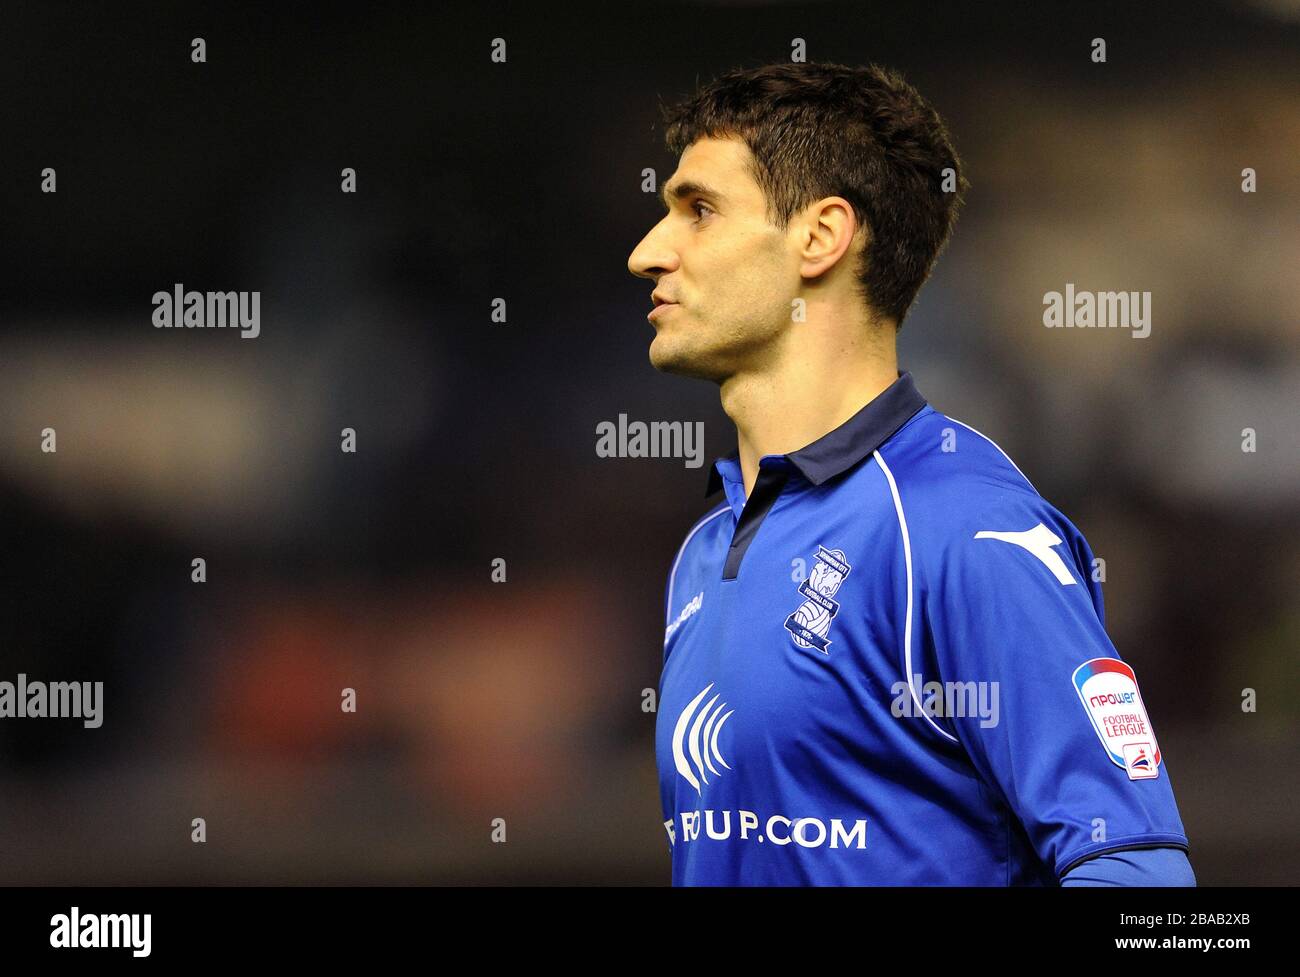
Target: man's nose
(652, 257)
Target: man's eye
(698, 206)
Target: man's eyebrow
(689, 188)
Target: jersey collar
(845, 446)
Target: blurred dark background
(476, 440)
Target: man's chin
(670, 356)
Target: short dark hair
(863, 133)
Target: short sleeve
(1064, 736)
(1144, 867)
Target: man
(885, 659)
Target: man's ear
(829, 231)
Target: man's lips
(660, 309)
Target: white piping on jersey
(672, 574)
(996, 445)
(907, 556)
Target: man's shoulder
(681, 565)
(951, 482)
(941, 461)
(700, 528)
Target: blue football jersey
(889, 666)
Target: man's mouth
(660, 308)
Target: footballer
(885, 655)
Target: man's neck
(782, 409)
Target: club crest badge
(811, 621)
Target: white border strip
(907, 554)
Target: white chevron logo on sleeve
(1038, 541)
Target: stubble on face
(734, 279)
